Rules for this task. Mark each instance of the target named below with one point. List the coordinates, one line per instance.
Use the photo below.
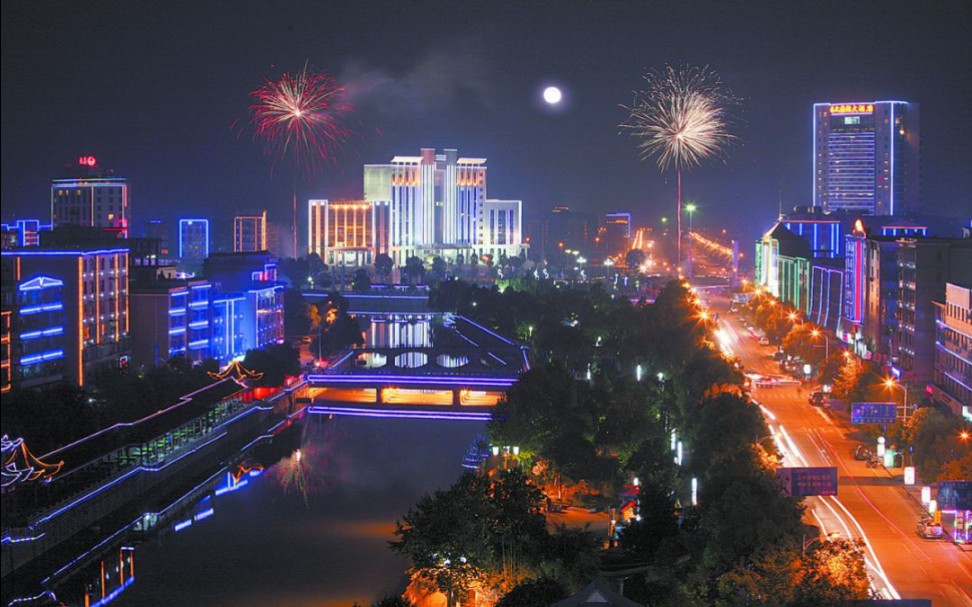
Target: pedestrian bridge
(428, 367)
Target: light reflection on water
(321, 539)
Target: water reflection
(314, 529)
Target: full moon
(552, 95)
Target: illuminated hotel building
(253, 298)
(865, 157)
(436, 205)
(93, 298)
(96, 199)
(250, 233)
(193, 239)
(350, 232)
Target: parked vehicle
(874, 462)
(862, 453)
(930, 530)
(764, 341)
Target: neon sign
(87, 161)
(852, 108)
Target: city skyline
(152, 105)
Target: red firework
(301, 117)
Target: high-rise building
(193, 240)
(564, 229)
(924, 268)
(93, 294)
(250, 232)
(614, 234)
(865, 157)
(93, 198)
(953, 349)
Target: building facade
(866, 157)
(953, 349)
(350, 233)
(250, 232)
(94, 298)
(94, 198)
(193, 240)
(924, 268)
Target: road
(871, 504)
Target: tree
(634, 259)
(383, 266)
(295, 270)
(299, 314)
(542, 592)
(439, 268)
(414, 269)
(361, 281)
(275, 361)
(806, 341)
(455, 539)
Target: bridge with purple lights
(420, 366)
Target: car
(862, 453)
(306, 339)
(778, 355)
(930, 530)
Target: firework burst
(681, 118)
(302, 118)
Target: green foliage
(275, 361)
(299, 314)
(361, 281)
(384, 266)
(542, 592)
(479, 527)
(935, 437)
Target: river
(314, 528)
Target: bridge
(458, 369)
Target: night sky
(153, 91)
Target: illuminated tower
(865, 157)
(94, 198)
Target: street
(871, 505)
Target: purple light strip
(412, 380)
(400, 413)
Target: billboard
(955, 495)
(804, 482)
(874, 413)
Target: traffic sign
(874, 413)
(804, 482)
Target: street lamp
(890, 383)
(817, 333)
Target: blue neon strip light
(39, 283)
(199, 324)
(199, 343)
(43, 356)
(43, 333)
(177, 331)
(177, 311)
(52, 307)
